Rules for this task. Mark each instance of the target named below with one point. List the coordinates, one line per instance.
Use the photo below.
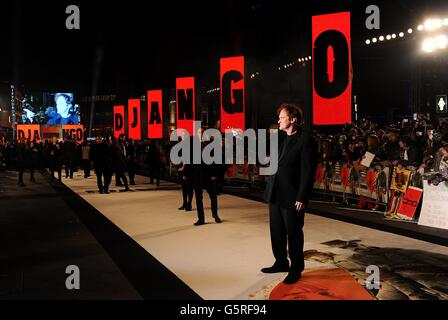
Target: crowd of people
(414, 144)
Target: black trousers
(103, 174)
(187, 193)
(286, 226)
(211, 190)
(86, 167)
(131, 170)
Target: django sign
(134, 130)
(118, 121)
(332, 78)
(155, 114)
(185, 104)
(232, 93)
(75, 132)
(28, 131)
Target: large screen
(54, 108)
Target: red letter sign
(118, 121)
(232, 93)
(28, 131)
(155, 114)
(134, 131)
(185, 105)
(331, 69)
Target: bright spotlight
(410, 30)
(394, 35)
(432, 24)
(420, 27)
(367, 41)
(401, 34)
(429, 45)
(374, 40)
(309, 57)
(388, 37)
(445, 22)
(442, 41)
(381, 38)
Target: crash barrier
(397, 192)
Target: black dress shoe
(181, 208)
(292, 277)
(218, 220)
(276, 268)
(199, 223)
(106, 191)
(187, 208)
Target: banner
(332, 79)
(118, 121)
(155, 123)
(134, 126)
(434, 212)
(232, 93)
(28, 131)
(409, 203)
(75, 132)
(400, 179)
(185, 104)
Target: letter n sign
(331, 69)
(134, 131)
(118, 120)
(155, 114)
(232, 93)
(185, 105)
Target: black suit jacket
(294, 178)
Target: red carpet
(322, 284)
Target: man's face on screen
(62, 107)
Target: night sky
(136, 45)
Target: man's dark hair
(293, 111)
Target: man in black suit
(288, 191)
(203, 176)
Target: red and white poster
(185, 104)
(232, 93)
(409, 203)
(118, 121)
(332, 77)
(155, 130)
(134, 125)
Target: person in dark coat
(187, 189)
(203, 176)
(102, 161)
(131, 157)
(119, 161)
(154, 163)
(55, 159)
(21, 151)
(288, 192)
(70, 155)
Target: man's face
(61, 105)
(284, 121)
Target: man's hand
(300, 206)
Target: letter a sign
(332, 78)
(155, 114)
